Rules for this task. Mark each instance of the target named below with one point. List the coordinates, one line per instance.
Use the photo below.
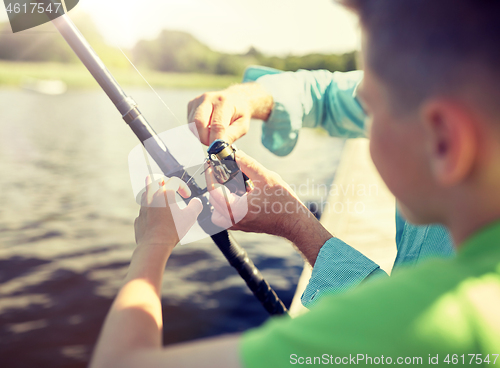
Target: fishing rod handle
(238, 258)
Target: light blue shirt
(321, 98)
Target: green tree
(176, 51)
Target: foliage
(171, 51)
(181, 52)
(45, 44)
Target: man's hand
(226, 114)
(271, 207)
(161, 221)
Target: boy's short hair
(421, 48)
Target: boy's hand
(226, 114)
(161, 221)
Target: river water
(66, 227)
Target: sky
(276, 27)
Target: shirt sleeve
(338, 268)
(309, 99)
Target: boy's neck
(469, 217)
(460, 234)
(476, 202)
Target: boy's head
(432, 89)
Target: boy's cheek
(387, 151)
(380, 151)
(395, 156)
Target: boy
(438, 152)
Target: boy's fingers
(193, 209)
(167, 188)
(177, 185)
(150, 191)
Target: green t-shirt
(445, 312)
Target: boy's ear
(451, 141)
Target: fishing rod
(234, 253)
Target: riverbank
(76, 76)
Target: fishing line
(150, 86)
(196, 172)
(164, 103)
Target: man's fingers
(220, 215)
(221, 119)
(221, 220)
(213, 116)
(210, 177)
(192, 127)
(201, 117)
(239, 208)
(236, 130)
(253, 169)
(218, 200)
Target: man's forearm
(306, 233)
(260, 101)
